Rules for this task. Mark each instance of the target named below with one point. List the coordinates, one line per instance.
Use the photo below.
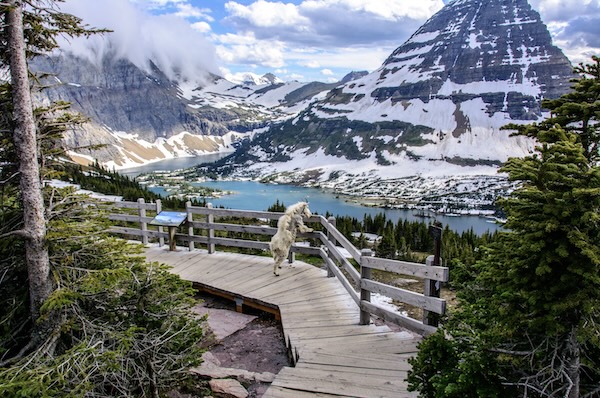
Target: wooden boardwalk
(334, 356)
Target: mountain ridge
(444, 94)
(141, 116)
(431, 114)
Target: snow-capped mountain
(141, 115)
(250, 79)
(434, 109)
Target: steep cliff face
(440, 97)
(122, 97)
(502, 47)
(141, 115)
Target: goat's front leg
(278, 260)
(304, 229)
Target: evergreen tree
(25, 143)
(531, 311)
(387, 247)
(94, 319)
(577, 111)
(120, 326)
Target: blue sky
(297, 39)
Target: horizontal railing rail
(356, 278)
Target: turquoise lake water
(250, 195)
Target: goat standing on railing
(287, 227)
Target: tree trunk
(25, 141)
(573, 359)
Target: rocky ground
(244, 351)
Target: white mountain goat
(287, 227)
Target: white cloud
(321, 35)
(159, 3)
(188, 11)
(362, 58)
(392, 10)
(332, 23)
(573, 25)
(202, 27)
(246, 49)
(267, 14)
(169, 41)
(360, 34)
(295, 76)
(563, 10)
(327, 72)
(311, 64)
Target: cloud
(327, 72)
(573, 25)
(188, 11)
(159, 3)
(179, 50)
(354, 58)
(295, 76)
(332, 23)
(585, 28)
(203, 27)
(311, 64)
(266, 14)
(247, 50)
(325, 33)
(565, 10)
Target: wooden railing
(203, 222)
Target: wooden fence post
(210, 219)
(143, 224)
(190, 219)
(365, 273)
(332, 221)
(161, 239)
(432, 287)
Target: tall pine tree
(528, 324)
(95, 319)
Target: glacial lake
(250, 195)
(173, 164)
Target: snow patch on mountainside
(135, 151)
(326, 165)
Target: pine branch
(9, 178)
(20, 232)
(25, 350)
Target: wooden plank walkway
(334, 355)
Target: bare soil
(258, 347)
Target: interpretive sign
(172, 220)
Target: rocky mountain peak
(252, 79)
(353, 76)
(436, 105)
(479, 41)
(271, 78)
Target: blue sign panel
(169, 219)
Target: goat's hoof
(279, 266)
(276, 274)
